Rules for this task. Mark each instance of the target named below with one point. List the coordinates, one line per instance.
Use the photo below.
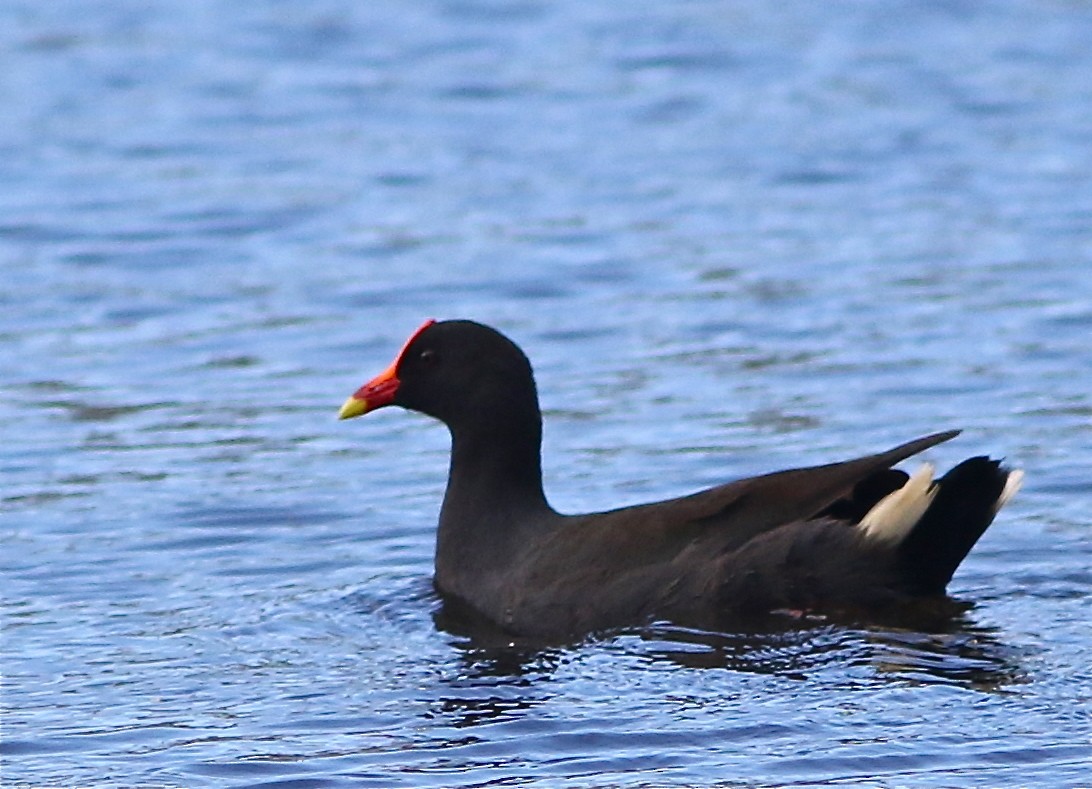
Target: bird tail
(935, 524)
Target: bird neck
(496, 468)
(493, 506)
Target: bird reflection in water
(497, 677)
(935, 643)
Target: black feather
(963, 508)
(866, 494)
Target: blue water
(733, 237)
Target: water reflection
(487, 650)
(494, 676)
(938, 642)
(973, 659)
(955, 651)
(467, 709)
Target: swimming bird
(856, 535)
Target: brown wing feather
(749, 507)
(670, 549)
(719, 519)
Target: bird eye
(428, 356)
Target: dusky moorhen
(850, 536)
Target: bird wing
(729, 515)
(634, 554)
(746, 508)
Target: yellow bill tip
(354, 406)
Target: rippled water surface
(733, 237)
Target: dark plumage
(855, 535)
